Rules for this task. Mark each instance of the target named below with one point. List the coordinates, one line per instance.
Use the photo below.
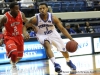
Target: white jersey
(45, 27)
(47, 31)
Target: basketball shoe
(72, 67)
(57, 67)
(14, 70)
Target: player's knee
(46, 44)
(14, 55)
(10, 47)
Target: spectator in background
(70, 30)
(77, 28)
(6, 4)
(1, 6)
(31, 32)
(27, 6)
(89, 5)
(88, 28)
(96, 5)
(27, 3)
(50, 9)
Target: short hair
(67, 24)
(43, 4)
(76, 25)
(12, 5)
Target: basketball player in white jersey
(43, 25)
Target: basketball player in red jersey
(13, 39)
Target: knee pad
(14, 55)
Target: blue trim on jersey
(47, 18)
(52, 19)
(37, 20)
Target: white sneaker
(14, 70)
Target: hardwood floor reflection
(86, 65)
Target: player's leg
(11, 49)
(69, 62)
(50, 54)
(44, 40)
(61, 47)
(20, 52)
(18, 59)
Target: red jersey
(14, 27)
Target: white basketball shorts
(54, 38)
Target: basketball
(71, 46)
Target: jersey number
(15, 31)
(47, 31)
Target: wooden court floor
(86, 65)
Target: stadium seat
(70, 7)
(77, 7)
(64, 6)
(56, 7)
(50, 4)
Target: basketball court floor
(86, 65)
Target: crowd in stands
(30, 7)
(77, 29)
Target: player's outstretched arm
(31, 23)
(24, 18)
(25, 33)
(61, 28)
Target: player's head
(67, 25)
(77, 26)
(43, 8)
(14, 8)
(87, 23)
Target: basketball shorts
(11, 46)
(54, 38)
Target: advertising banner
(32, 51)
(84, 47)
(96, 44)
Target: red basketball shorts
(11, 46)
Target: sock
(53, 60)
(13, 64)
(67, 59)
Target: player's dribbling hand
(74, 40)
(26, 35)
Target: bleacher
(62, 6)
(70, 7)
(73, 18)
(67, 6)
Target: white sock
(53, 60)
(67, 59)
(13, 64)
